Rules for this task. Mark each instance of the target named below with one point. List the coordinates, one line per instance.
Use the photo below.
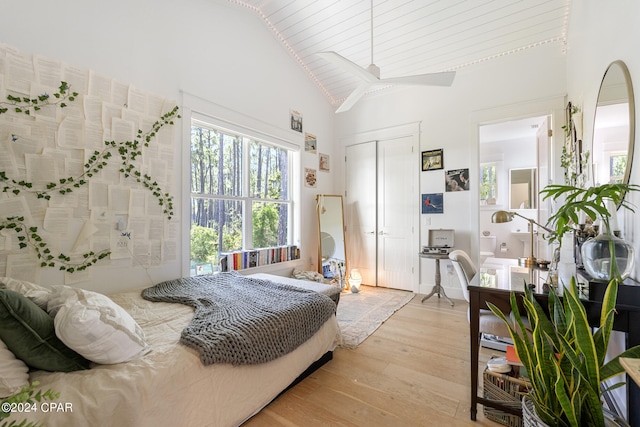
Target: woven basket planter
(530, 418)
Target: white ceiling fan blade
(353, 97)
(347, 65)
(433, 79)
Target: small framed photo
(432, 203)
(310, 178)
(324, 162)
(457, 180)
(296, 120)
(432, 160)
(310, 143)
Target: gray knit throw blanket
(242, 320)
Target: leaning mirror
(331, 250)
(522, 188)
(614, 127)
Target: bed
(170, 385)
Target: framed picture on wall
(310, 143)
(432, 203)
(457, 180)
(432, 160)
(310, 177)
(324, 162)
(296, 120)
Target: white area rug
(359, 315)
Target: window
(240, 196)
(488, 183)
(617, 167)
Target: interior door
(380, 198)
(396, 197)
(360, 209)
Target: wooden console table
(627, 320)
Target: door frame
(411, 130)
(551, 106)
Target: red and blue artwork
(432, 203)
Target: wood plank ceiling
(409, 36)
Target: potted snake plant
(564, 358)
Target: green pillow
(28, 332)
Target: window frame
(611, 156)
(496, 184)
(256, 130)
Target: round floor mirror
(614, 127)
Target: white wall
(527, 83)
(209, 48)
(599, 34)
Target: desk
(437, 289)
(632, 366)
(627, 320)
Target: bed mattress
(169, 385)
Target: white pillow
(95, 327)
(36, 293)
(14, 374)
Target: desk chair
(495, 334)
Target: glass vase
(598, 252)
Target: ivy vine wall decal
(127, 154)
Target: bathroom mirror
(523, 189)
(614, 127)
(330, 233)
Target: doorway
(380, 210)
(514, 167)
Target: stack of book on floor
(503, 381)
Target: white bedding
(169, 385)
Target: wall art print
(310, 143)
(324, 162)
(432, 160)
(432, 203)
(310, 177)
(296, 120)
(457, 180)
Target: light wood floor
(413, 371)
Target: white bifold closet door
(380, 211)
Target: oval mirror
(614, 127)
(327, 245)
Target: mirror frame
(319, 207)
(632, 115)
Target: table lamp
(505, 216)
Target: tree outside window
(617, 168)
(488, 183)
(239, 195)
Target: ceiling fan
(370, 76)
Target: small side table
(437, 289)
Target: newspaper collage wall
(107, 210)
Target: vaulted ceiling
(409, 36)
